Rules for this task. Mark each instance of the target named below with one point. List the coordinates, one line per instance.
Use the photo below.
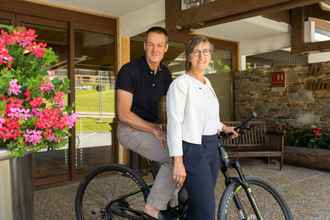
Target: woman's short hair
(196, 40)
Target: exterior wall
(305, 101)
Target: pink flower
(59, 99)
(32, 136)
(72, 120)
(36, 112)
(25, 38)
(25, 113)
(14, 113)
(46, 87)
(14, 87)
(49, 135)
(19, 113)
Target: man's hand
(231, 131)
(159, 134)
(179, 171)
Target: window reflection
(94, 75)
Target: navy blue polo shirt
(146, 86)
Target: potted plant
(33, 114)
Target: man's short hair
(159, 30)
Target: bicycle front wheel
(111, 192)
(270, 203)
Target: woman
(192, 127)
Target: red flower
(317, 132)
(10, 129)
(37, 49)
(27, 94)
(8, 39)
(36, 102)
(50, 118)
(13, 102)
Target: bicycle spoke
(268, 207)
(107, 187)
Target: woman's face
(201, 56)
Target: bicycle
(244, 198)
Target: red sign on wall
(278, 79)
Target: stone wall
(303, 102)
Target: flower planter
(308, 157)
(16, 192)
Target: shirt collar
(147, 67)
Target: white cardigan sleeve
(175, 108)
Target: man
(139, 87)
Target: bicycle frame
(241, 180)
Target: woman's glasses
(204, 52)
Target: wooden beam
(282, 16)
(81, 20)
(316, 12)
(297, 30)
(298, 44)
(120, 154)
(317, 46)
(223, 11)
(71, 100)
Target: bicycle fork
(243, 182)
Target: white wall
(139, 21)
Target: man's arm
(124, 104)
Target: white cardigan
(185, 114)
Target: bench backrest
(255, 136)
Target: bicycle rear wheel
(111, 192)
(269, 202)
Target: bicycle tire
(261, 190)
(104, 177)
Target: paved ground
(306, 191)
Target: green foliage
(306, 138)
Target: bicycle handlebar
(244, 125)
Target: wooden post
(121, 155)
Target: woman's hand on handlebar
(231, 131)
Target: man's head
(155, 45)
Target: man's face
(155, 47)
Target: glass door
(94, 67)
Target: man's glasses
(205, 52)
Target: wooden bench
(256, 142)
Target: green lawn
(93, 125)
(90, 100)
(93, 101)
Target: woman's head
(198, 53)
